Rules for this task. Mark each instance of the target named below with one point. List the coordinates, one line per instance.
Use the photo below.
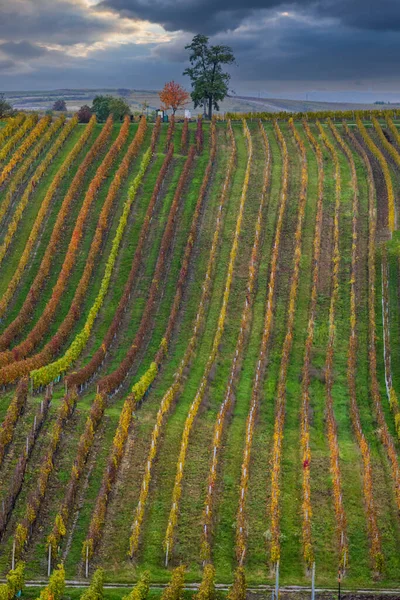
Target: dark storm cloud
(209, 16)
(49, 21)
(297, 51)
(355, 42)
(213, 16)
(379, 15)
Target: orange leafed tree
(173, 96)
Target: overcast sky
(328, 48)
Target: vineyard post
(313, 582)
(277, 581)
(49, 562)
(13, 556)
(87, 562)
(166, 555)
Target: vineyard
(200, 348)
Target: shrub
(207, 585)
(238, 588)
(95, 591)
(141, 589)
(56, 586)
(174, 590)
(84, 114)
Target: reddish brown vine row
(81, 377)
(109, 383)
(14, 410)
(44, 207)
(16, 326)
(199, 396)
(51, 371)
(331, 424)
(385, 435)
(99, 404)
(286, 349)
(308, 551)
(242, 338)
(36, 177)
(21, 365)
(35, 498)
(141, 387)
(374, 532)
(18, 475)
(173, 390)
(241, 536)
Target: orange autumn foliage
(173, 96)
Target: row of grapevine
(155, 134)
(185, 136)
(331, 424)
(21, 132)
(374, 533)
(13, 124)
(286, 349)
(172, 392)
(386, 173)
(14, 411)
(349, 115)
(260, 368)
(385, 142)
(43, 211)
(22, 151)
(394, 130)
(245, 324)
(199, 136)
(17, 478)
(392, 396)
(140, 388)
(170, 133)
(17, 325)
(46, 467)
(391, 392)
(308, 552)
(19, 175)
(84, 374)
(11, 372)
(385, 436)
(176, 494)
(374, 384)
(53, 370)
(36, 177)
(99, 403)
(109, 383)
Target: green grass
(112, 552)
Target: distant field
(200, 349)
(76, 98)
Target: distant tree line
(102, 107)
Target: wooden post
(13, 556)
(87, 562)
(313, 582)
(277, 581)
(49, 562)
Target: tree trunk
(210, 108)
